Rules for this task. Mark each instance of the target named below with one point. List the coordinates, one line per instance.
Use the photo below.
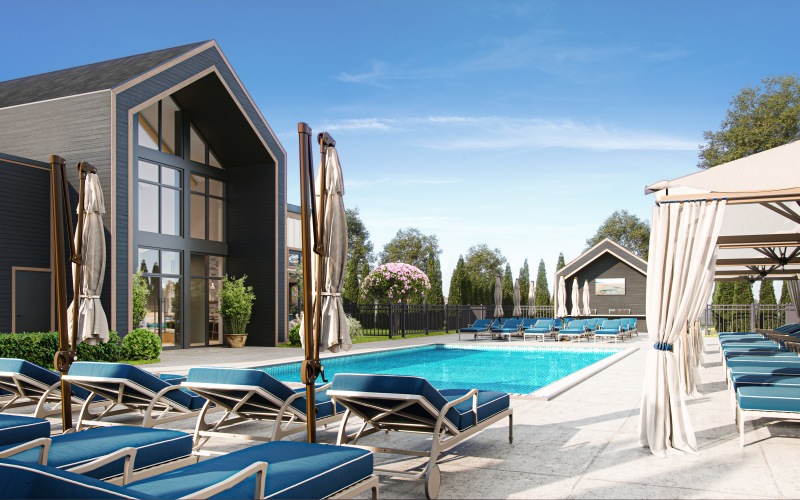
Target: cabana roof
(760, 235)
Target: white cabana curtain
(682, 246)
(794, 293)
(690, 348)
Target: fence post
(752, 317)
(404, 308)
(391, 321)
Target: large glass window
(200, 151)
(208, 208)
(162, 270)
(160, 126)
(159, 189)
(207, 272)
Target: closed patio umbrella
(531, 298)
(586, 310)
(92, 324)
(517, 306)
(576, 309)
(561, 302)
(498, 298)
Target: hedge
(41, 348)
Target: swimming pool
(516, 370)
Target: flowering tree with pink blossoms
(396, 282)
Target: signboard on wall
(609, 286)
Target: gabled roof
(84, 79)
(606, 246)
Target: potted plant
(236, 305)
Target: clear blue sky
(518, 124)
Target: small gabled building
(194, 181)
(617, 281)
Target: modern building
(194, 181)
(617, 281)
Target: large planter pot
(235, 339)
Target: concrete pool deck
(583, 443)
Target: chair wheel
(433, 479)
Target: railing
(747, 317)
(403, 319)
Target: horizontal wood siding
(251, 247)
(270, 259)
(77, 129)
(608, 266)
(24, 226)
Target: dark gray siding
(274, 208)
(77, 129)
(24, 227)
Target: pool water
(516, 370)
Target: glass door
(206, 323)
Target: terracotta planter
(235, 339)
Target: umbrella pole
(65, 355)
(310, 365)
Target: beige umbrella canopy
(576, 309)
(517, 307)
(531, 298)
(92, 322)
(587, 311)
(561, 302)
(498, 298)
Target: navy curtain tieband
(662, 346)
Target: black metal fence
(403, 319)
(747, 317)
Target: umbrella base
(235, 339)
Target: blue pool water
(516, 370)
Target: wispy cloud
(358, 183)
(481, 133)
(374, 76)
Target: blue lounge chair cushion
(258, 378)
(745, 379)
(489, 402)
(511, 325)
(137, 376)
(575, 326)
(479, 325)
(295, 470)
(34, 481)
(16, 429)
(154, 446)
(764, 352)
(769, 398)
(36, 372)
(542, 326)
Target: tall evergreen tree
(542, 290)
(743, 292)
(786, 298)
(560, 264)
(508, 287)
(434, 271)
(524, 282)
(724, 294)
(766, 295)
(359, 256)
(454, 296)
(483, 265)
(767, 318)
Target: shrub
(395, 282)
(356, 330)
(141, 344)
(108, 352)
(294, 336)
(40, 348)
(141, 292)
(235, 304)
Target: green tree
(766, 294)
(483, 265)
(434, 271)
(508, 287)
(626, 229)
(743, 294)
(542, 290)
(724, 294)
(767, 318)
(759, 118)
(786, 298)
(560, 264)
(524, 283)
(140, 294)
(413, 247)
(359, 256)
(454, 296)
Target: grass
(380, 338)
(140, 361)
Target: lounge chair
(610, 329)
(576, 329)
(132, 390)
(558, 323)
(479, 327)
(511, 326)
(760, 401)
(412, 404)
(542, 328)
(15, 429)
(154, 451)
(528, 323)
(248, 395)
(29, 384)
(269, 470)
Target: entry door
(32, 307)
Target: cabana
(739, 220)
